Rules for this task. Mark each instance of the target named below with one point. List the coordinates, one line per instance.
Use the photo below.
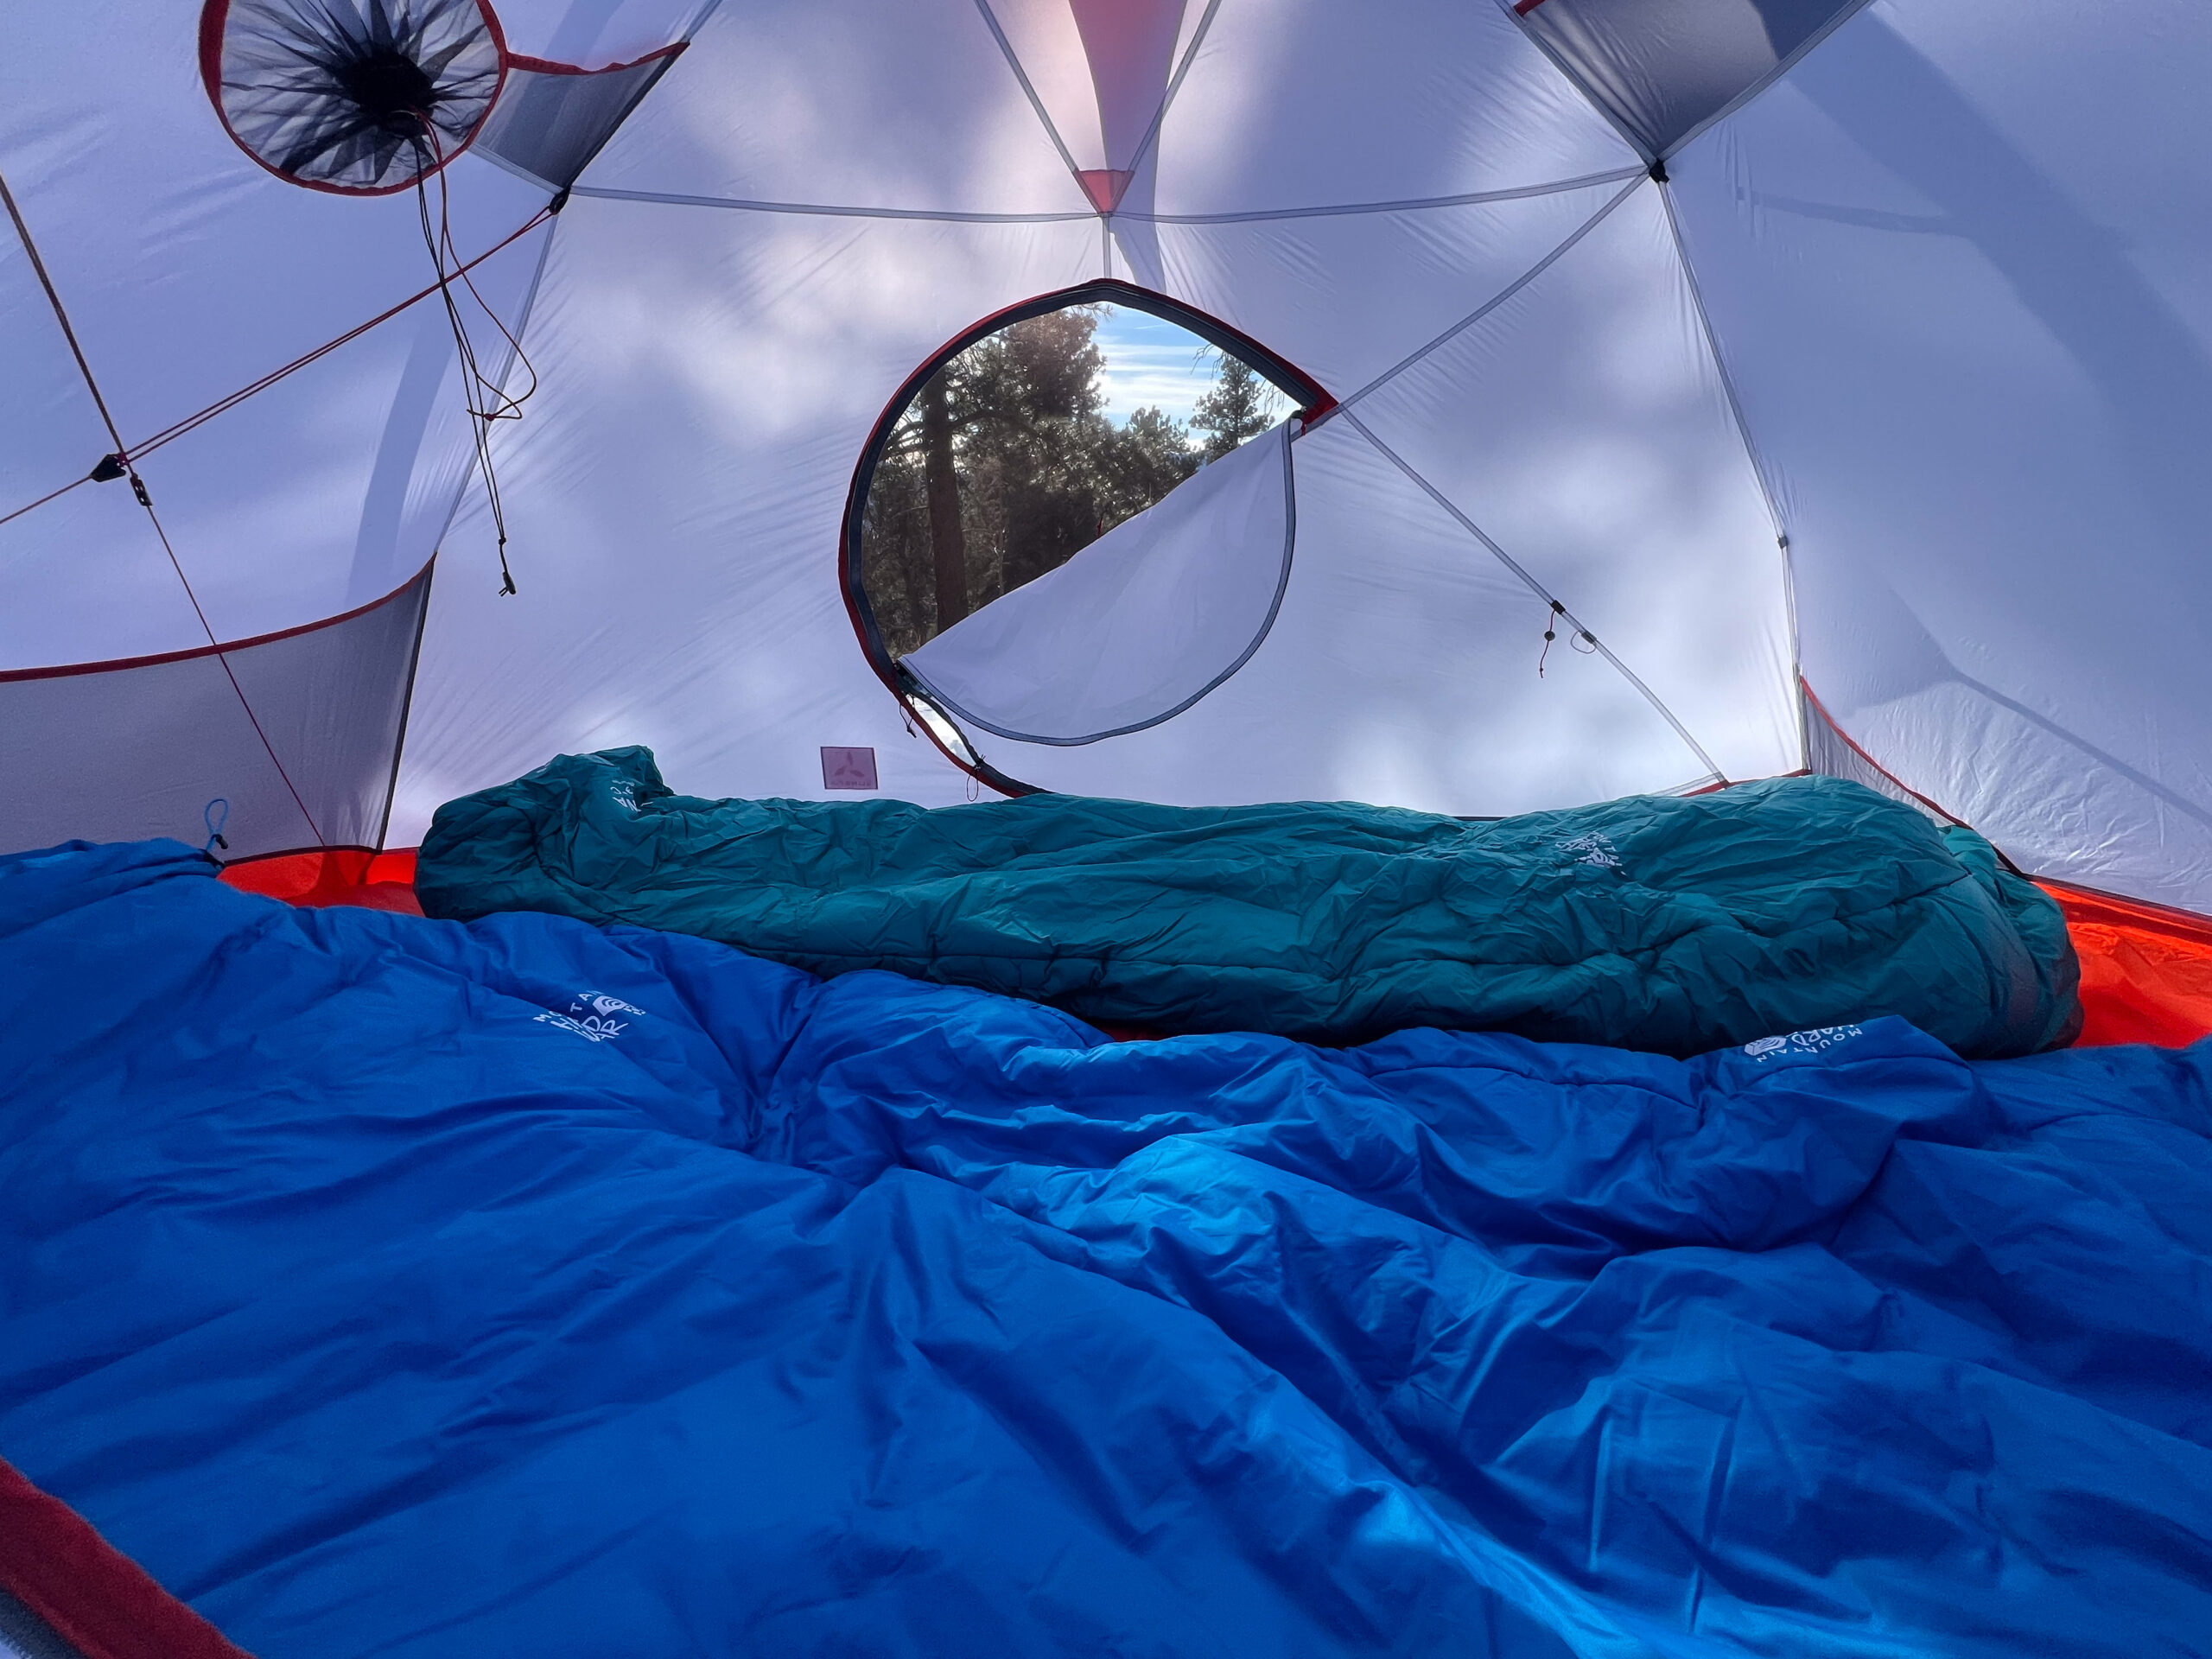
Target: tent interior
(1482, 408)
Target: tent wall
(296, 733)
(676, 496)
(1663, 68)
(1957, 259)
(677, 491)
(1930, 306)
(188, 272)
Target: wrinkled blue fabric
(393, 1286)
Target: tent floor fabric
(1655, 922)
(393, 1286)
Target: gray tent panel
(122, 751)
(552, 118)
(1663, 68)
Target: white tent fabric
(1138, 626)
(187, 273)
(1893, 371)
(300, 727)
(1960, 262)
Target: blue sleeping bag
(1658, 922)
(402, 1287)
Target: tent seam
(700, 19)
(1174, 86)
(1006, 49)
(1844, 15)
(1566, 72)
(1756, 458)
(1490, 304)
(1408, 205)
(1540, 590)
(746, 205)
(1413, 204)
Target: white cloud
(1154, 364)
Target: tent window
(1020, 446)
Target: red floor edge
(2146, 970)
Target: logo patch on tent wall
(591, 1016)
(847, 768)
(1801, 1042)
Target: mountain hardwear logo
(591, 1016)
(1801, 1042)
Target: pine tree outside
(1009, 460)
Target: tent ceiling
(1922, 291)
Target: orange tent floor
(2146, 971)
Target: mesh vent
(361, 97)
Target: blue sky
(1152, 363)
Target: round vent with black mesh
(362, 96)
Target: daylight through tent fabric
(1770, 339)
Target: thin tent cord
(145, 499)
(1557, 611)
(24, 232)
(486, 400)
(223, 405)
(51, 495)
(521, 328)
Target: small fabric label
(847, 768)
(1801, 1042)
(591, 1016)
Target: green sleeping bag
(1657, 922)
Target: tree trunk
(948, 543)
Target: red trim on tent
(92, 1596)
(332, 875)
(217, 14)
(116, 665)
(1104, 185)
(547, 66)
(1851, 743)
(2147, 969)
(1109, 289)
